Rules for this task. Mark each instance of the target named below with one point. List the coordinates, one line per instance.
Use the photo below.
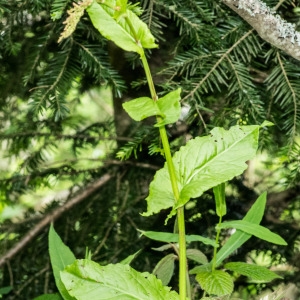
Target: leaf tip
(266, 124)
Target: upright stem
(214, 260)
(171, 169)
(183, 276)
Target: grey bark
(270, 27)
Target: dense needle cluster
(228, 75)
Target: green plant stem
(149, 77)
(171, 169)
(214, 261)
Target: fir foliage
(228, 76)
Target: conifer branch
(40, 102)
(55, 214)
(293, 97)
(57, 136)
(37, 58)
(269, 26)
(241, 83)
(198, 85)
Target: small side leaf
(86, 280)
(217, 282)
(261, 232)
(219, 193)
(197, 256)
(266, 124)
(201, 269)
(130, 258)
(60, 256)
(255, 272)
(163, 248)
(165, 268)
(169, 237)
(254, 215)
(169, 106)
(121, 4)
(141, 108)
(144, 35)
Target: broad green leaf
(60, 256)
(255, 272)
(168, 107)
(141, 108)
(86, 280)
(208, 161)
(259, 231)
(165, 268)
(169, 237)
(219, 193)
(118, 30)
(254, 215)
(217, 282)
(196, 255)
(49, 297)
(202, 164)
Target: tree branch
(269, 26)
(47, 219)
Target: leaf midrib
(198, 170)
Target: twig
(79, 136)
(46, 279)
(136, 164)
(278, 4)
(47, 219)
(29, 281)
(11, 276)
